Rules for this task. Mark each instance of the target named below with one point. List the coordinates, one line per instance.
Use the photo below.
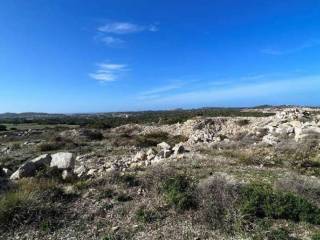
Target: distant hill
(29, 115)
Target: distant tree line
(157, 117)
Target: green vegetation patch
(261, 201)
(152, 139)
(147, 215)
(32, 202)
(179, 191)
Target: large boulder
(26, 170)
(63, 160)
(42, 161)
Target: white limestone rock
(63, 160)
(26, 170)
(164, 146)
(43, 160)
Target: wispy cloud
(265, 91)
(285, 51)
(155, 92)
(109, 32)
(173, 85)
(125, 28)
(108, 72)
(112, 41)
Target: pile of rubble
(62, 161)
(157, 155)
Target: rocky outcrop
(41, 161)
(63, 160)
(26, 170)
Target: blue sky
(117, 55)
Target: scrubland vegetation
(226, 190)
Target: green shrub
(179, 191)
(126, 179)
(316, 236)
(15, 146)
(279, 234)
(93, 135)
(50, 173)
(122, 197)
(152, 139)
(119, 235)
(3, 128)
(146, 215)
(261, 201)
(243, 122)
(29, 202)
(129, 180)
(53, 146)
(219, 208)
(107, 193)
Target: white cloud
(286, 51)
(159, 91)
(125, 28)
(162, 89)
(265, 91)
(108, 72)
(112, 41)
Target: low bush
(243, 122)
(3, 128)
(49, 173)
(279, 234)
(261, 201)
(93, 135)
(179, 192)
(15, 146)
(152, 139)
(51, 146)
(219, 205)
(127, 179)
(146, 215)
(123, 197)
(107, 193)
(119, 235)
(315, 236)
(30, 202)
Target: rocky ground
(205, 178)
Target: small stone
(164, 146)
(150, 157)
(151, 151)
(67, 175)
(140, 156)
(114, 229)
(92, 172)
(80, 171)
